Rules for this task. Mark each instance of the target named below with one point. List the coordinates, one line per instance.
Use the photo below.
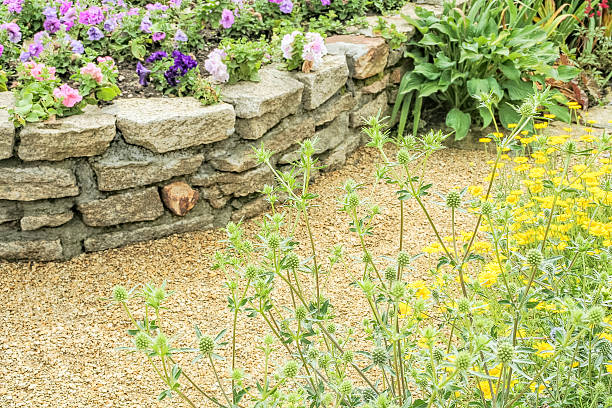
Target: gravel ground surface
(59, 338)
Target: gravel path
(58, 338)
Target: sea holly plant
(513, 312)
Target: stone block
(29, 183)
(215, 196)
(166, 124)
(322, 83)
(332, 108)
(41, 250)
(200, 218)
(276, 91)
(179, 197)
(9, 211)
(242, 184)
(7, 129)
(87, 134)
(377, 86)
(366, 56)
(372, 108)
(291, 130)
(327, 138)
(338, 156)
(131, 206)
(34, 222)
(206, 176)
(125, 166)
(251, 209)
(254, 128)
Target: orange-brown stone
(179, 197)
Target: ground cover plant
(516, 313)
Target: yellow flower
(512, 199)
(542, 125)
(475, 190)
(544, 349)
(520, 160)
(487, 392)
(484, 140)
(512, 125)
(609, 367)
(421, 289)
(541, 388)
(404, 310)
(549, 116)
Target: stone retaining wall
(140, 169)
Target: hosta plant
(492, 47)
(515, 311)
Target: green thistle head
(463, 361)
(142, 341)
(453, 199)
(120, 294)
(379, 356)
(505, 352)
(403, 259)
(290, 369)
(206, 345)
(534, 257)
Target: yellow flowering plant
(515, 314)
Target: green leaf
(507, 114)
(460, 122)
(428, 70)
(567, 73)
(510, 71)
(518, 90)
(561, 112)
(486, 116)
(106, 94)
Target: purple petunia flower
(146, 24)
(134, 11)
(176, 3)
(286, 6)
(14, 6)
(65, 6)
(109, 25)
(13, 31)
(156, 6)
(159, 36)
(24, 56)
(180, 36)
(52, 25)
(91, 16)
(77, 47)
(1, 50)
(143, 74)
(35, 49)
(227, 18)
(49, 12)
(95, 34)
(156, 56)
(326, 2)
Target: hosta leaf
(459, 121)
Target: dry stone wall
(141, 169)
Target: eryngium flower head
(251, 272)
(390, 273)
(403, 156)
(486, 209)
(206, 345)
(352, 200)
(120, 294)
(293, 261)
(345, 387)
(142, 341)
(273, 241)
(398, 289)
(331, 328)
(463, 306)
(505, 352)
(595, 316)
(534, 257)
(463, 361)
(379, 356)
(347, 356)
(453, 199)
(403, 259)
(290, 370)
(300, 313)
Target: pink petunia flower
(93, 71)
(67, 95)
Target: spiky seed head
(403, 156)
(251, 272)
(403, 259)
(290, 369)
(453, 199)
(608, 402)
(160, 344)
(273, 241)
(505, 352)
(323, 361)
(438, 355)
(293, 261)
(142, 341)
(463, 361)
(368, 395)
(379, 356)
(581, 393)
(390, 273)
(347, 356)
(313, 353)
(268, 340)
(206, 345)
(327, 399)
(331, 328)
(486, 208)
(605, 347)
(528, 109)
(398, 289)
(120, 294)
(345, 387)
(595, 316)
(534, 257)
(366, 258)
(352, 200)
(300, 313)
(237, 374)
(550, 268)
(599, 388)
(463, 306)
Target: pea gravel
(59, 337)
